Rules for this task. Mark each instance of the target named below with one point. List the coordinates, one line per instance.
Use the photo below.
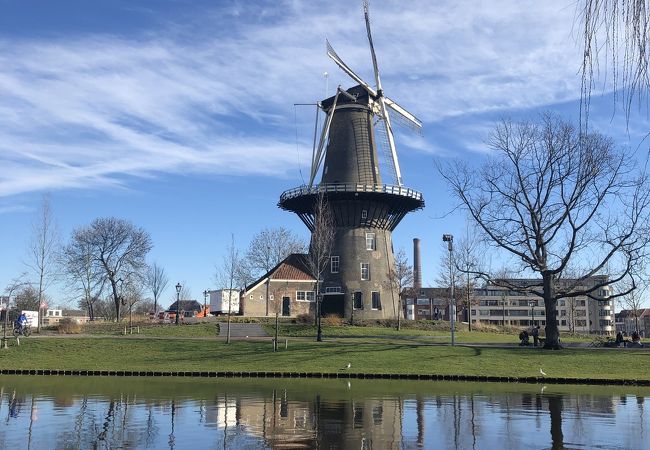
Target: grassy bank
(147, 328)
(191, 355)
(144, 328)
(438, 335)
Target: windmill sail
(386, 157)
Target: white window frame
(364, 214)
(304, 296)
(333, 290)
(367, 270)
(371, 243)
(335, 264)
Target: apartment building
(497, 305)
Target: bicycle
(22, 331)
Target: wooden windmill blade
(381, 101)
(339, 62)
(380, 104)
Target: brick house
(288, 289)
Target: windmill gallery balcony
(381, 206)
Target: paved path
(242, 330)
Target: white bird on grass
(542, 372)
(346, 367)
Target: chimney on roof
(417, 265)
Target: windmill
(364, 209)
(382, 107)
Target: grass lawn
(301, 356)
(441, 336)
(151, 329)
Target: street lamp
(449, 239)
(532, 313)
(205, 307)
(178, 302)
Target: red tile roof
(293, 267)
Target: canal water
(197, 413)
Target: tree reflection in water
(555, 410)
(100, 413)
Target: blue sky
(178, 115)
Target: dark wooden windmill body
(356, 284)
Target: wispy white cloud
(86, 111)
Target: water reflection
(71, 413)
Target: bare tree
(400, 278)
(104, 308)
(26, 298)
(320, 249)
(278, 294)
(572, 308)
(156, 281)
(131, 294)
(42, 252)
(620, 28)
(546, 196)
(267, 249)
(450, 273)
(227, 276)
(119, 249)
(634, 299)
(84, 275)
(469, 267)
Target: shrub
(304, 319)
(333, 320)
(68, 326)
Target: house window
(261, 297)
(370, 241)
(357, 302)
(271, 297)
(251, 297)
(376, 302)
(305, 296)
(333, 290)
(365, 271)
(364, 214)
(334, 264)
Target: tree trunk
(399, 312)
(116, 300)
(550, 306)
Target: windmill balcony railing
(350, 187)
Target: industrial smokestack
(417, 265)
